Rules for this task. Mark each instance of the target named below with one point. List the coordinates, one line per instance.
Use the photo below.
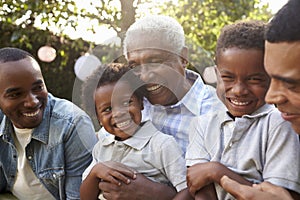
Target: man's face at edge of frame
(283, 66)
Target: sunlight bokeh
(103, 34)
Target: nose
(239, 89)
(118, 111)
(275, 94)
(144, 72)
(31, 100)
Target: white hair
(157, 31)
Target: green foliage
(202, 21)
(59, 74)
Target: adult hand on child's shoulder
(263, 191)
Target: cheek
(136, 114)
(102, 119)
(220, 89)
(260, 93)
(294, 98)
(8, 109)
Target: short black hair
(108, 74)
(10, 54)
(285, 25)
(243, 35)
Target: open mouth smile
(239, 103)
(32, 114)
(123, 124)
(153, 88)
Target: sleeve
(173, 162)
(196, 151)
(88, 169)
(2, 180)
(96, 153)
(283, 147)
(78, 154)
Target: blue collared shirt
(175, 119)
(59, 151)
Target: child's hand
(203, 174)
(198, 177)
(113, 172)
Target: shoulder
(64, 109)
(210, 118)
(273, 116)
(159, 138)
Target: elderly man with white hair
(155, 47)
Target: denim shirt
(59, 151)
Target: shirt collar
(262, 111)
(40, 133)
(138, 140)
(192, 99)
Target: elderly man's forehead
(156, 39)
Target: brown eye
(108, 109)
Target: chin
(155, 101)
(296, 128)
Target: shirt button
(29, 157)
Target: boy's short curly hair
(243, 35)
(109, 74)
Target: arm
(139, 188)
(263, 191)
(102, 172)
(295, 195)
(208, 192)
(183, 195)
(202, 174)
(79, 142)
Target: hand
(197, 177)
(109, 172)
(113, 172)
(203, 174)
(139, 188)
(263, 191)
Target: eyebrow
(10, 90)
(284, 79)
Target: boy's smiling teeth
(31, 114)
(239, 103)
(123, 124)
(154, 87)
